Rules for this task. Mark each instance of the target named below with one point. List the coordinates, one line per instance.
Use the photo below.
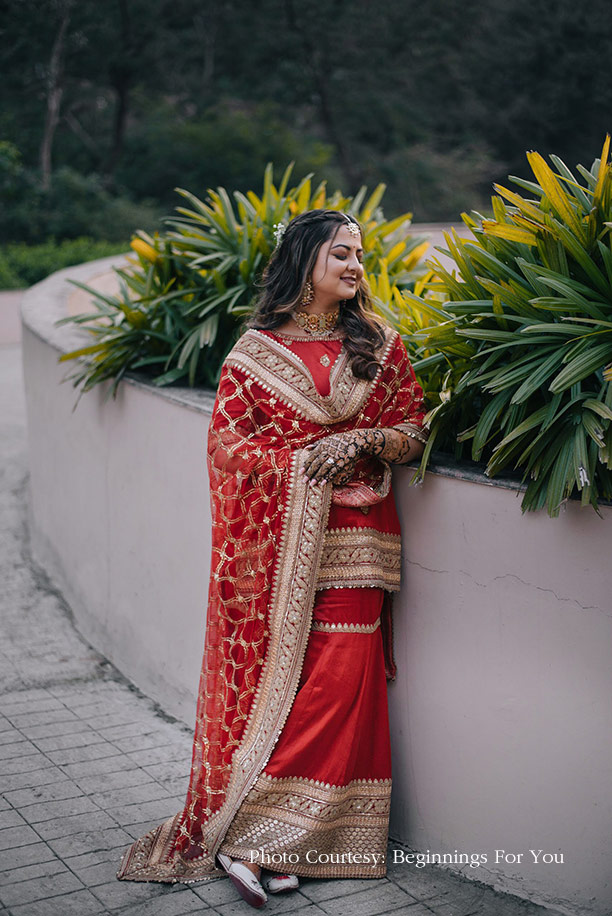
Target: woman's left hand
(334, 457)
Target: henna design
(334, 457)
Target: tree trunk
(121, 76)
(54, 97)
(205, 25)
(320, 69)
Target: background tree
(438, 100)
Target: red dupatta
(268, 531)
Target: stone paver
(86, 763)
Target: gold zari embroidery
(291, 610)
(296, 816)
(284, 374)
(322, 626)
(360, 558)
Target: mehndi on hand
(334, 457)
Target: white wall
(119, 509)
(501, 712)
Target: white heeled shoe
(244, 881)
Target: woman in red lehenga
(291, 761)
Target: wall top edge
(46, 302)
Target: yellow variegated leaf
(529, 224)
(551, 186)
(303, 196)
(603, 168)
(416, 254)
(396, 251)
(145, 250)
(499, 209)
(384, 287)
(318, 200)
(518, 201)
(373, 202)
(257, 203)
(399, 222)
(508, 231)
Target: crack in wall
(517, 578)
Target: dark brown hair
(287, 273)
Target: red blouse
(319, 355)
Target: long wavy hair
(285, 278)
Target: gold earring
(307, 294)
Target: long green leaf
(581, 367)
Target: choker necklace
(313, 324)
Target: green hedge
(22, 265)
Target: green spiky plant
(530, 302)
(182, 302)
(414, 312)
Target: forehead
(344, 237)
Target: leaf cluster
(526, 323)
(183, 299)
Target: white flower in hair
(279, 231)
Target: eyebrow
(348, 247)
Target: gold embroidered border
(360, 558)
(281, 372)
(147, 859)
(322, 626)
(312, 820)
(291, 602)
(303, 529)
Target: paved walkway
(87, 763)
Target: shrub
(183, 301)
(22, 265)
(529, 313)
(228, 144)
(74, 206)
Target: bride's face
(338, 270)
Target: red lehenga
(291, 758)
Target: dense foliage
(73, 206)
(524, 327)
(183, 300)
(22, 265)
(435, 99)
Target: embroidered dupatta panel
(268, 530)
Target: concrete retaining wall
(501, 712)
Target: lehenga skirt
(321, 806)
